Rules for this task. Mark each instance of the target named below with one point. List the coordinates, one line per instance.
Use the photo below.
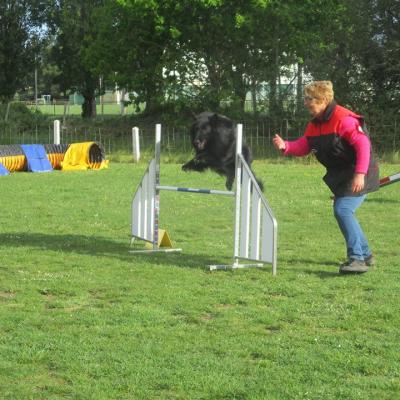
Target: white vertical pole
(245, 215)
(275, 247)
(137, 213)
(135, 144)
(157, 183)
(151, 185)
(56, 131)
(144, 212)
(238, 179)
(255, 225)
(36, 86)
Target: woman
(335, 135)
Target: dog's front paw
(185, 167)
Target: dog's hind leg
(229, 181)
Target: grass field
(81, 318)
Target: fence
(258, 135)
(60, 108)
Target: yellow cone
(163, 239)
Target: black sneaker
(353, 266)
(370, 260)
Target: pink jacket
(351, 131)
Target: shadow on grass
(382, 201)
(324, 274)
(103, 247)
(299, 264)
(302, 262)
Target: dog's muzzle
(200, 144)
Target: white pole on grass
(135, 144)
(238, 181)
(157, 157)
(56, 131)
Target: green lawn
(81, 318)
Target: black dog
(214, 140)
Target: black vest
(336, 154)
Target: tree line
(179, 55)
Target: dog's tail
(246, 152)
(260, 183)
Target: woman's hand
(279, 143)
(358, 183)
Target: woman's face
(315, 106)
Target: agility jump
(388, 180)
(255, 236)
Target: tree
(195, 53)
(242, 44)
(201, 54)
(359, 51)
(74, 29)
(131, 49)
(20, 40)
(381, 54)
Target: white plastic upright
(56, 129)
(135, 144)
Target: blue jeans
(356, 242)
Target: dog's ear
(214, 119)
(218, 120)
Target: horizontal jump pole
(389, 180)
(235, 266)
(159, 250)
(192, 190)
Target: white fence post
(56, 131)
(122, 102)
(135, 144)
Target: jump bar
(389, 180)
(159, 250)
(234, 266)
(191, 190)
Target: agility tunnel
(81, 156)
(45, 158)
